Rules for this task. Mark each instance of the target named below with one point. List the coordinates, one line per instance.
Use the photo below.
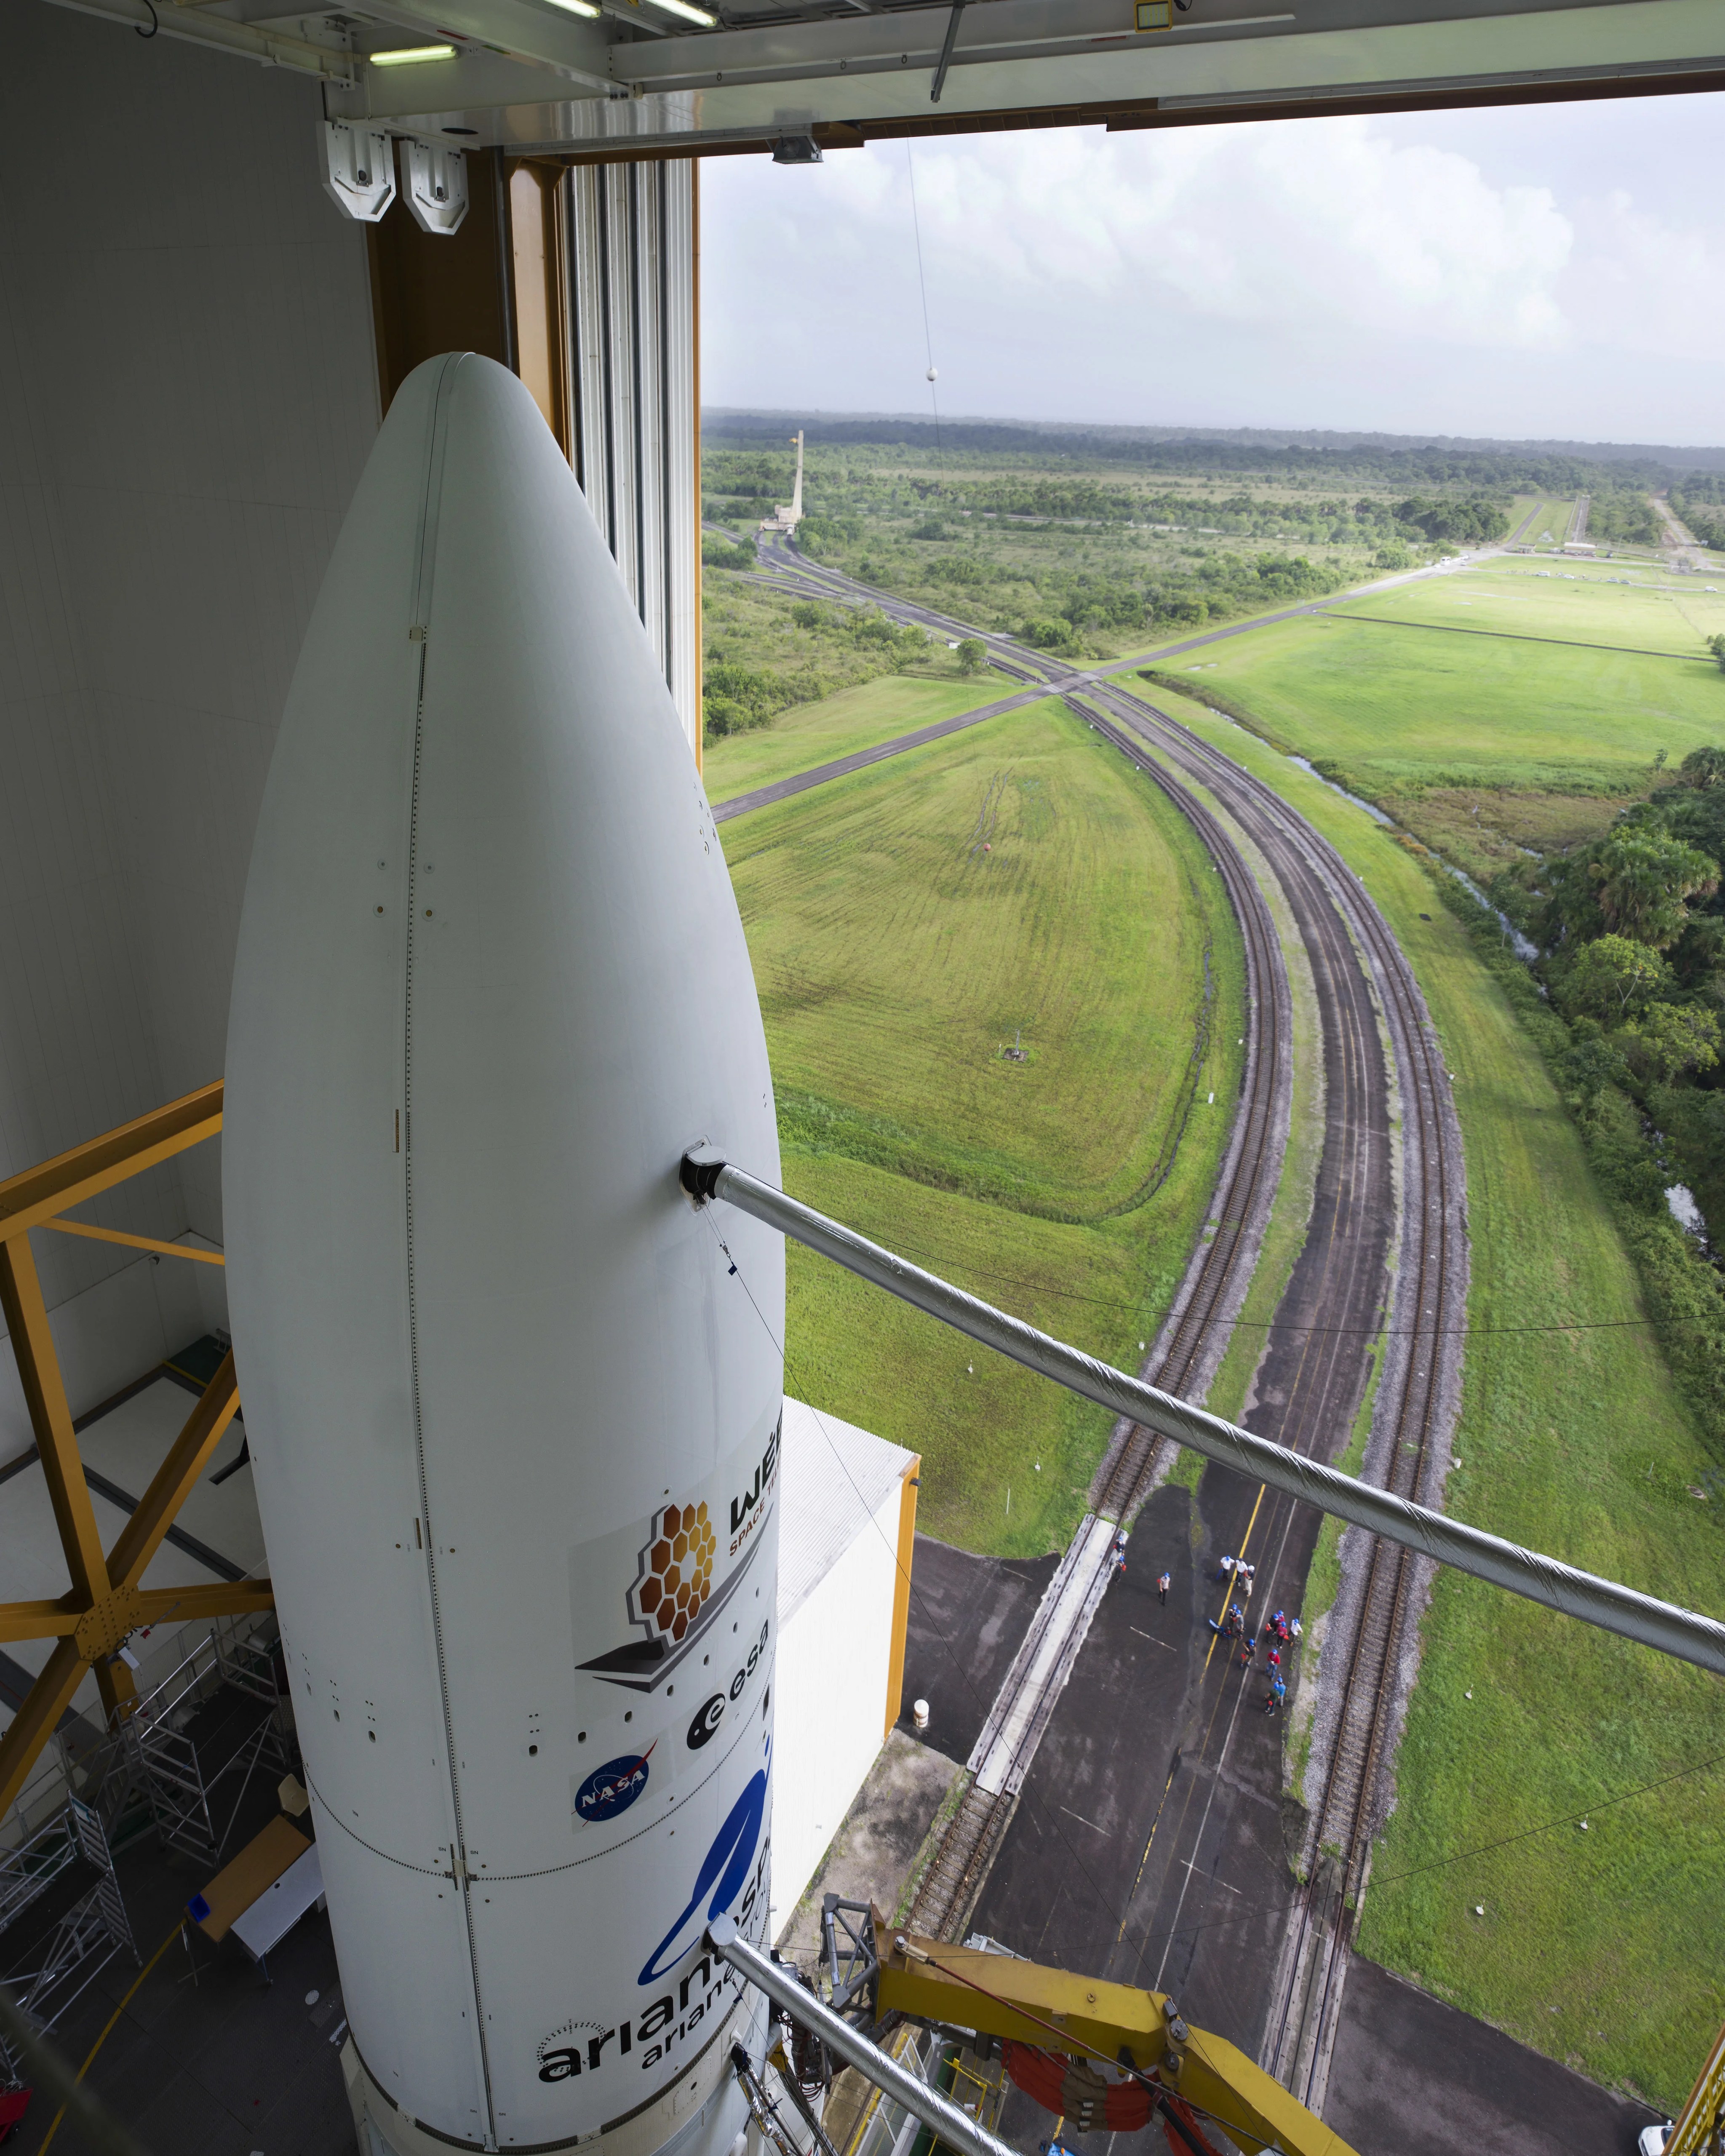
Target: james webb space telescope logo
(673, 1600)
(676, 1573)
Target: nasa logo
(706, 1724)
(612, 1787)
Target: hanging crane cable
(922, 287)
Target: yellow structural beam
(1110, 2023)
(107, 1602)
(135, 1242)
(31, 1199)
(141, 1537)
(1699, 2129)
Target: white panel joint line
(1685, 1633)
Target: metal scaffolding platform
(62, 1965)
(221, 1714)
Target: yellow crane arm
(1113, 2024)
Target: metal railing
(1685, 1633)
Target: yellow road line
(108, 2031)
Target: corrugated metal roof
(833, 1479)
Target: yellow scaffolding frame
(106, 1604)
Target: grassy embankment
(1596, 1944)
(896, 960)
(1479, 743)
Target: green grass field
(896, 960)
(1544, 740)
(1599, 1945)
(855, 718)
(1551, 527)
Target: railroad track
(1416, 1387)
(1184, 1354)
(1415, 1393)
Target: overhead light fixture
(576, 6)
(409, 54)
(692, 14)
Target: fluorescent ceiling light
(694, 14)
(576, 6)
(406, 57)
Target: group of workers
(1278, 1633)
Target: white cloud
(1465, 276)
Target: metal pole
(956, 2127)
(1685, 1633)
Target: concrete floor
(214, 2062)
(1151, 1846)
(967, 1617)
(872, 1856)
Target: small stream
(1524, 949)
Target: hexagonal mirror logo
(677, 1574)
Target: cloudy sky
(1557, 271)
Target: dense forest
(1410, 466)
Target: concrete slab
(968, 1617)
(872, 1856)
(208, 2060)
(1412, 2077)
(1064, 1880)
(1015, 1722)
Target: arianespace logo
(732, 1876)
(613, 1788)
(672, 1602)
(724, 1871)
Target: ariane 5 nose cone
(513, 1420)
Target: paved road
(741, 805)
(967, 1618)
(1415, 2077)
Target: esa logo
(705, 1725)
(612, 1787)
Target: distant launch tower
(790, 515)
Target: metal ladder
(93, 1931)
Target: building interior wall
(187, 391)
(631, 249)
(189, 386)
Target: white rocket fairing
(513, 1417)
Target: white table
(280, 1908)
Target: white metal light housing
(358, 170)
(436, 186)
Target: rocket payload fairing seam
(547, 1871)
(424, 580)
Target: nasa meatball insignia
(613, 1788)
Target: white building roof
(836, 1479)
